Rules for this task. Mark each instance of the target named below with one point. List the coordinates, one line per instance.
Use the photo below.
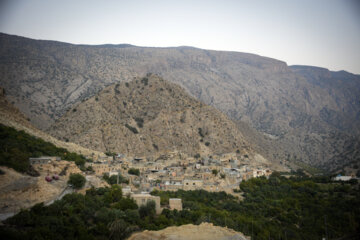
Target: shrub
(134, 130)
(113, 179)
(134, 171)
(207, 144)
(145, 81)
(200, 131)
(77, 180)
(139, 122)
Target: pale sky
(323, 33)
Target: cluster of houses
(171, 172)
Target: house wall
(175, 203)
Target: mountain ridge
(46, 79)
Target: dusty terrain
(19, 191)
(148, 116)
(204, 231)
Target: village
(139, 176)
(174, 171)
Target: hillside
(11, 116)
(308, 111)
(149, 116)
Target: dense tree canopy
(16, 147)
(274, 208)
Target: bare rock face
(204, 231)
(148, 116)
(307, 111)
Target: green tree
(147, 210)
(134, 171)
(125, 203)
(77, 180)
(114, 195)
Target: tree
(134, 171)
(77, 180)
(114, 195)
(215, 172)
(126, 203)
(147, 210)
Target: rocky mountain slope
(312, 111)
(12, 117)
(147, 116)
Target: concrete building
(342, 178)
(175, 203)
(193, 184)
(143, 198)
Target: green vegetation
(139, 122)
(77, 180)
(207, 144)
(108, 153)
(134, 130)
(280, 208)
(215, 172)
(145, 81)
(16, 147)
(274, 208)
(200, 131)
(113, 179)
(134, 171)
(312, 170)
(156, 147)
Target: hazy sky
(322, 33)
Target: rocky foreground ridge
(204, 231)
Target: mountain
(308, 114)
(149, 116)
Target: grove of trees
(274, 208)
